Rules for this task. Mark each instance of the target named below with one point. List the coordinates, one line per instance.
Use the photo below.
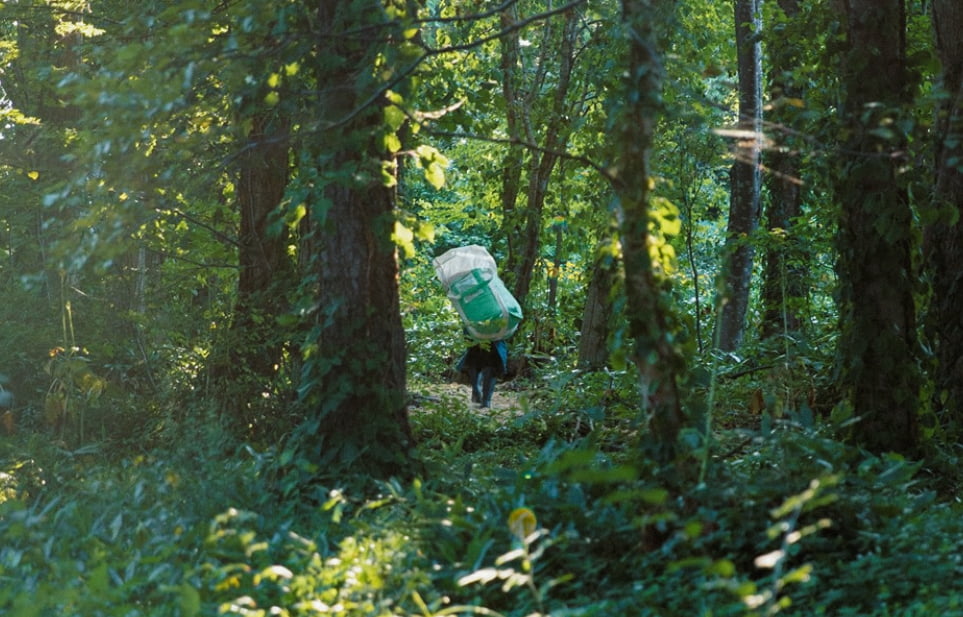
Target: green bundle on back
(470, 277)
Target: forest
(230, 379)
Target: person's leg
(488, 386)
(476, 394)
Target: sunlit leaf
(394, 117)
(425, 231)
(522, 523)
(802, 574)
(435, 175)
(392, 143)
(404, 238)
(769, 560)
(722, 567)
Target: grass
(791, 521)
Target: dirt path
(504, 401)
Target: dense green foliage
(191, 423)
(792, 521)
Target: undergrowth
(543, 511)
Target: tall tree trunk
(361, 393)
(944, 240)
(877, 354)
(745, 180)
(656, 357)
(593, 350)
(519, 131)
(265, 277)
(355, 370)
(543, 164)
(783, 292)
(244, 366)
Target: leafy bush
(515, 516)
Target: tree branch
(429, 53)
(562, 154)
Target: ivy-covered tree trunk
(877, 353)
(653, 351)
(745, 182)
(783, 292)
(354, 375)
(360, 395)
(944, 239)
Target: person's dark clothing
(484, 363)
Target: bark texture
(593, 350)
(877, 353)
(655, 356)
(266, 272)
(355, 378)
(944, 240)
(783, 289)
(745, 183)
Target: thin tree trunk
(558, 228)
(524, 227)
(783, 293)
(519, 131)
(689, 231)
(944, 240)
(593, 351)
(745, 180)
(877, 353)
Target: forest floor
(504, 401)
(872, 536)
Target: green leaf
(723, 567)
(404, 238)
(190, 600)
(801, 574)
(394, 117)
(435, 175)
(392, 143)
(99, 580)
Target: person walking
(484, 363)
